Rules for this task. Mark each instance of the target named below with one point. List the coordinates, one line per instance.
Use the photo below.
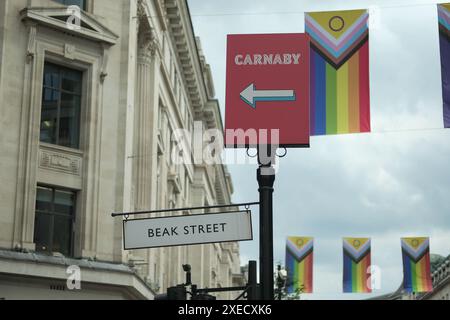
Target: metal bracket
(247, 205)
(284, 154)
(249, 155)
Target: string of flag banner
(340, 104)
(373, 8)
(339, 70)
(357, 271)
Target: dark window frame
(61, 69)
(63, 2)
(52, 213)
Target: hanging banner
(299, 264)
(357, 265)
(416, 265)
(444, 39)
(339, 69)
(267, 91)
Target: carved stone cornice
(185, 46)
(161, 7)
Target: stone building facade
(89, 103)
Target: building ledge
(39, 266)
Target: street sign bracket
(246, 205)
(285, 152)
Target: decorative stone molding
(174, 179)
(60, 161)
(186, 49)
(211, 115)
(103, 69)
(141, 14)
(69, 51)
(31, 48)
(147, 44)
(160, 143)
(207, 73)
(161, 7)
(55, 18)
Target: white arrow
(250, 95)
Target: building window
(79, 3)
(55, 216)
(61, 105)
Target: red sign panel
(267, 95)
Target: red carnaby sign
(267, 90)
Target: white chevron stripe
(356, 253)
(299, 252)
(329, 36)
(415, 253)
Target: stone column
(145, 131)
(142, 154)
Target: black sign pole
(266, 179)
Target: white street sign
(187, 230)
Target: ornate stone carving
(31, 51)
(105, 58)
(60, 162)
(147, 41)
(69, 51)
(140, 10)
(147, 44)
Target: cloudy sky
(391, 183)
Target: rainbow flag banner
(357, 265)
(339, 68)
(299, 264)
(416, 265)
(444, 39)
